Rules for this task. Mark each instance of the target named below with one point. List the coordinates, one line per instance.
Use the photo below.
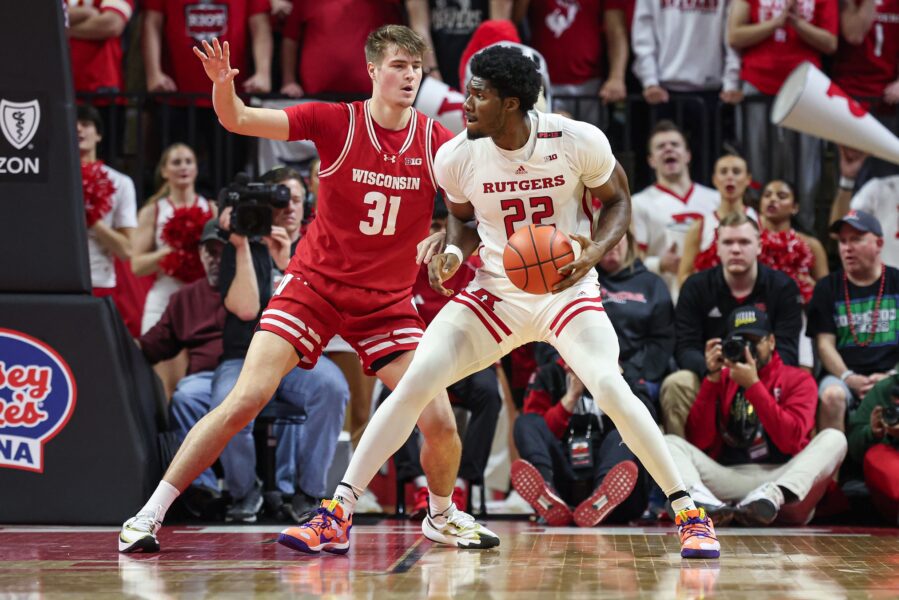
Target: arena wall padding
(44, 243)
(105, 461)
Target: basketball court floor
(391, 559)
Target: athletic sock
(681, 500)
(439, 507)
(346, 495)
(161, 500)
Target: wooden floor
(390, 559)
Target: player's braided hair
(510, 73)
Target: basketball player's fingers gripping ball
(533, 257)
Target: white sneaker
(458, 529)
(367, 503)
(761, 505)
(139, 533)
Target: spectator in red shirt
(866, 64)
(95, 29)
(317, 32)
(749, 435)
(775, 37)
(573, 38)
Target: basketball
(533, 256)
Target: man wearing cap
(852, 318)
(749, 433)
(705, 300)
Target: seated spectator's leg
(881, 466)
(239, 455)
(537, 445)
(323, 393)
(835, 396)
(804, 477)
(708, 482)
(612, 451)
(676, 397)
(190, 402)
(479, 393)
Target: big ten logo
(37, 398)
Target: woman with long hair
(800, 256)
(176, 176)
(731, 178)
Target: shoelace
(145, 521)
(461, 519)
(697, 526)
(326, 515)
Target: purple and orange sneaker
(697, 534)
(327, 530)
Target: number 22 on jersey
(376, 224)
(514, 211)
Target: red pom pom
(183, 230)
(786, 251)
(182, 233)
(97, 189)
(184, 265)
(708, 258)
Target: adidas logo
(521, 171)
(714, 313)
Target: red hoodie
(785, 399)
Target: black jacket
(705, 301)
(639, 306)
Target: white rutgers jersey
(542, 183)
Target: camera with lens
(252, 205)
(890, 416)
(733, 348)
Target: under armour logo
(521, 171)
(391, 158)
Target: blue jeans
(322, 393)
(189, 403)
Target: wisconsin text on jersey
(501, 187)
(388, 181)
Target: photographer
(245, 283)
(749, 433)
(571, 454)
(873, 435)
(708, 296)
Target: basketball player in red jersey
(352, 275)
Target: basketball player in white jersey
(513, 167)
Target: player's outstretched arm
(613, 222)
(234, 115)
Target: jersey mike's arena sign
(37, 398)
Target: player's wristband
(455, 250)
(847, 183)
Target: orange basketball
(533, 256)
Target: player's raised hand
(216, 60)
(442, 267)
(576, 269)
(430, 247)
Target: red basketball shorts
(307, 310)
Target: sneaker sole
(698, 553)
(484, 542)
(529, 484)
(757, 513)
(147, 544)
(616, 486)
(300, 546)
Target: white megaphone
(442, 103)
(811, 103)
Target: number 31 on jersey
(376, 224)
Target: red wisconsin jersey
(375, 198)
(866, 69)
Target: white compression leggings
(458, 344)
